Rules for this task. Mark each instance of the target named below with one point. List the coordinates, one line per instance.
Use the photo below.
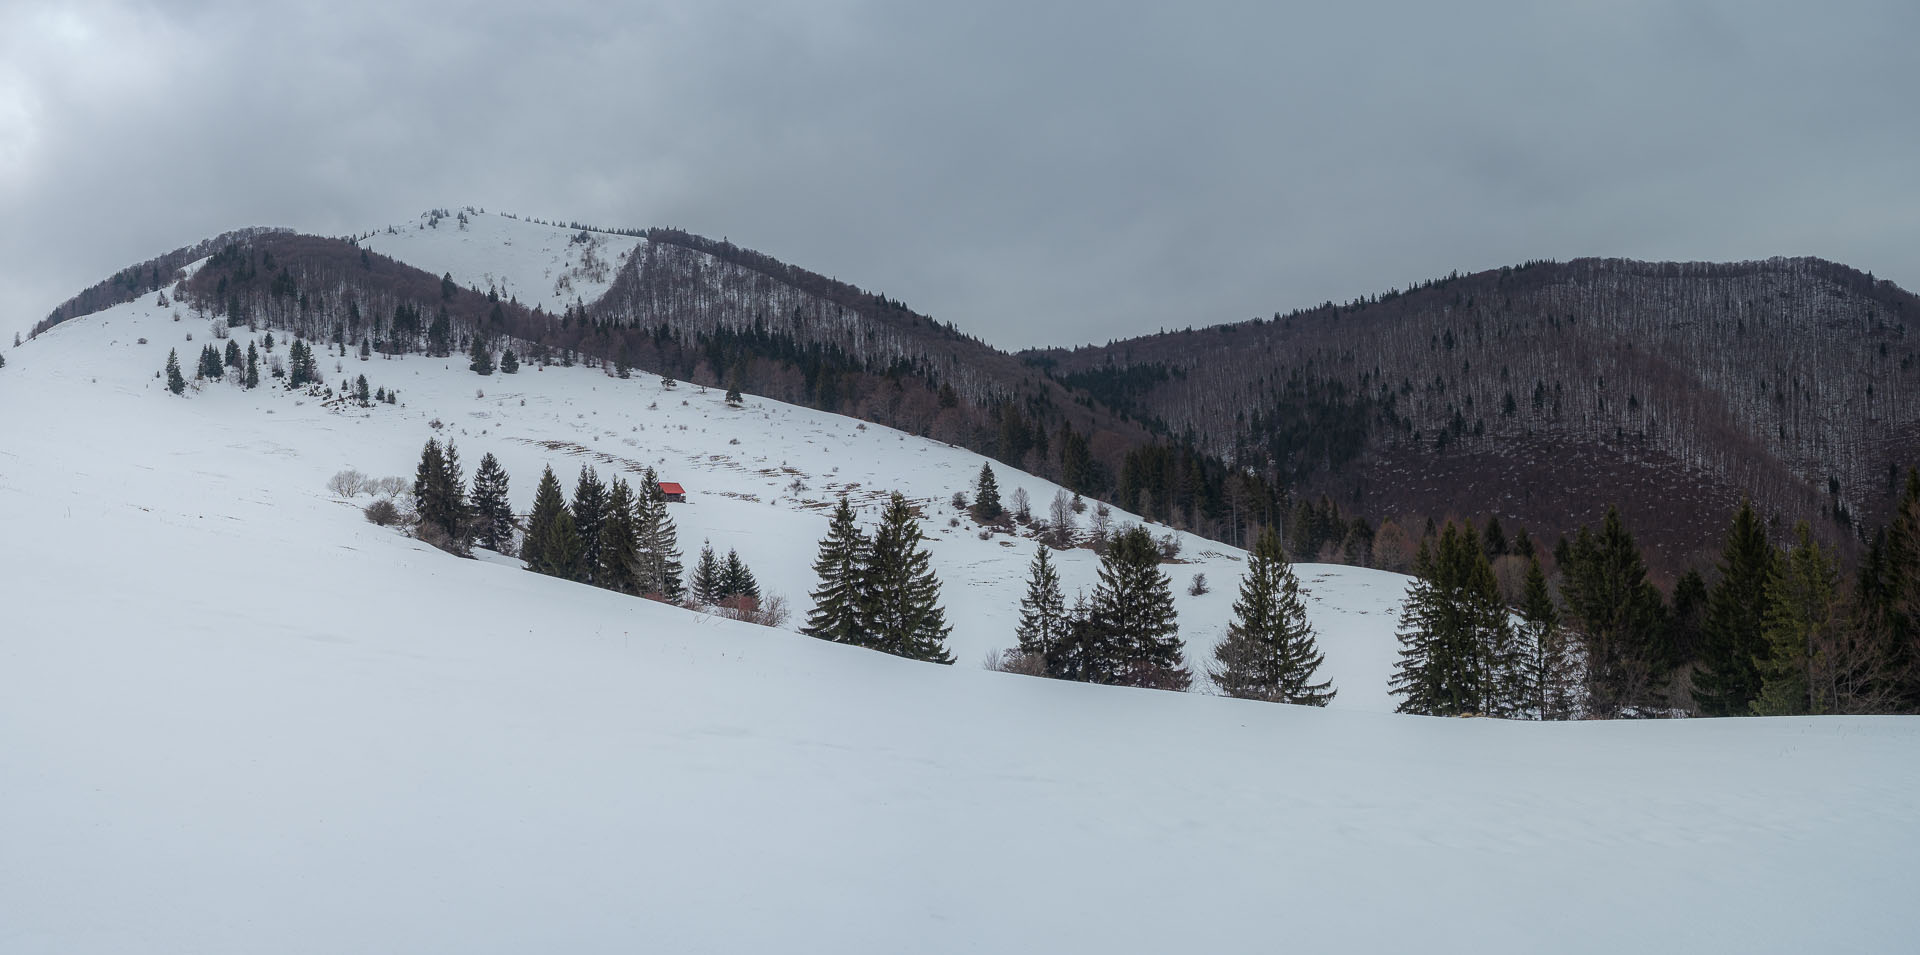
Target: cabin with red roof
(673, 492)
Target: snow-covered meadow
(235, 717)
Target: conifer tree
(837, 613)
(736, 580)
(621, 567)
(1552, 681)
(1269, 652)
(902, 613)
(1891, 597)
(986, 495)
(439, 493)
(509, 363)
(1043, 611)
(253, 367)
(1620, 619)
(232, 356)
(560, 549)
(706, 576)
(1135, 638)
(1809, 630)
(589, 512)
(175, 383)
(548, 502)
(492, 510)
(482, 357)
(1728, 679)
(1459, 654)
(659, 568)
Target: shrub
(382, 512)
(1199, 586)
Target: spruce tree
(1043, 611)
(560, 549)
(659, 546)
(1553, 679)
(175, 382)
(902, 613)
(1458, 652)
(736, 580)
(837, 613)
(1135, 638)
(986, 496)
(621, 568)
(1621, 620)
(492, 509)
(1892, 597)
(706, 576)
(548, 502)
(232, 356)
(509, 363)
(1269, 652)
(1728, 679)
(1801, 614)
(439, 494)
(589, 512)
(482, 357)
(253, 367)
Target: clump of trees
(879, 591)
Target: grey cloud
(1035, 173)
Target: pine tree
(492, 510)
(1728, 679)
(621, 568)
(1043, 611)
(706, 577)
(560, 549)
(1620, 618)
(1459, 653)
(232, 357)
(837, 603)
(482, 357)
(1802, 614)
(1269, 652)
(1553, 680)
(439, 494)
(509, 363)
(902, 610)
(1891, 598)
(175, 383)
(547, 505)
(253, 367)
(659, 553)
(1135, 638)
(736, 580)
(986, 496)
(589, 512)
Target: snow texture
(235, 717)
(539, 265)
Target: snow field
(234, 717)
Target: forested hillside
(1541, 394)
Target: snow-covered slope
(540, 265)
(235, 717)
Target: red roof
(668, 487)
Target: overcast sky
(1035, 173)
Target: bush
(959, 501)
(1014, 661)
(771, 612)
(382, 512)
(437, 537)
(1199, 586)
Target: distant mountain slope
(1544, 392)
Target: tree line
(1782, 630)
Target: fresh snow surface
(548, 266)
(235, 717)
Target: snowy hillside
(539, 265)
(235, 717)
